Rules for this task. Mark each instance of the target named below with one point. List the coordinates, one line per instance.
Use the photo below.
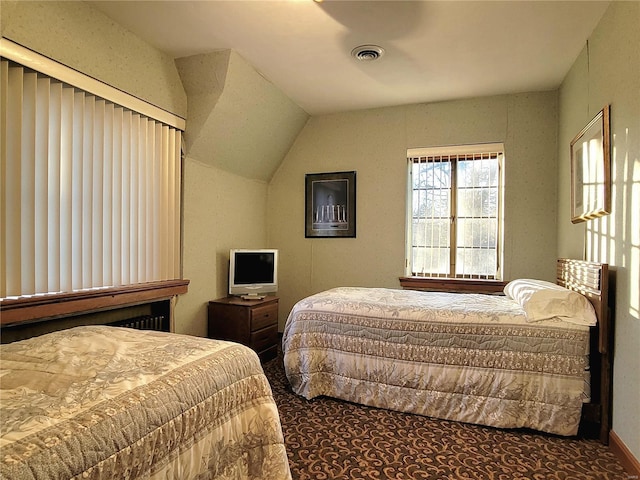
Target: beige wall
(608, 72)
(374, 144)
(221, 211)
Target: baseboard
(630, 463)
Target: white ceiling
(434, 50)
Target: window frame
(438, 153)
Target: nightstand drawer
(253, 323)
(262, 317)
(265, 338)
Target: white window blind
(454, 219)
(90, 189)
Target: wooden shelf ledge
(37, 307)
(456, 285)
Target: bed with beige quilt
(102, 402)
(495, 360)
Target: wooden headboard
(592, 280)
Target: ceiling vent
(367, 53)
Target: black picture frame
(330, 205)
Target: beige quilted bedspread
(103, 403)
(465, 357)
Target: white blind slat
(125, 195)
(119, 137)
(11, 203)
(27, 182)
(150, 242)
(53, 187)
(132, 235)
(177, 273)
(107, 194)
(164, 206)
(66, 177)
(171, 214)
(86, 226)
(142, 183)
(41, 234)
(75, 239)
(97, 194)
(4, 80)
(156, 169)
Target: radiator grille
(144, 322)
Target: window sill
(27, 309)
(455, 285)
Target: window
(454, 212)
(90, 181)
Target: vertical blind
(90, 189)
(455, 211)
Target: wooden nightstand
(251, 322)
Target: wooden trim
(456, 285)
(629, 462)
(37, 307)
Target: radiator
(144, 322)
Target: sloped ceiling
(236, 119)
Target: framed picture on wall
(591, 170)
(330, 205)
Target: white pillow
(543, 300)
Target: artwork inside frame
(330, 205)
(591, 170)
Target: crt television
(253, 273)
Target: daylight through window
(455, 210)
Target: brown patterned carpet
(329, 439)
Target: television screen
(254, 267)
(253, 272)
